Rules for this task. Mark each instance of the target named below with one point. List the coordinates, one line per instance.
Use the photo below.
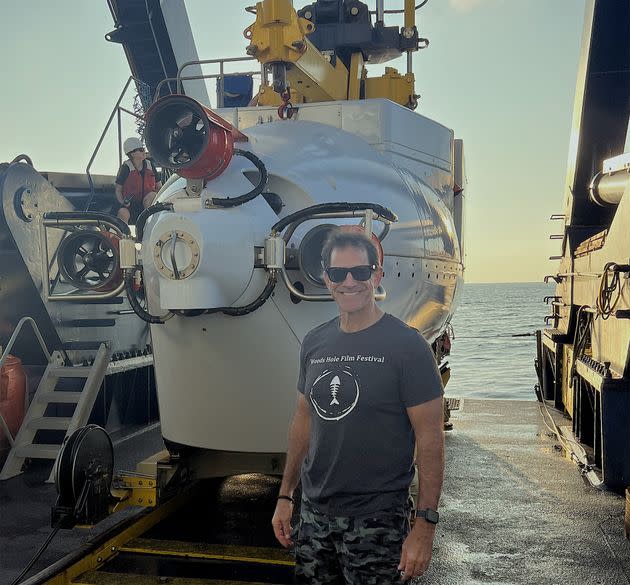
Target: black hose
(333, 208)
(146, 214)
(77, 216)
(257, 190)
(138, 309)
(38, 554)
(259, 302)
(239, 311)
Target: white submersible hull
(228, 383)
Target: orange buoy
(12, 394)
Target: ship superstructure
(583, 357)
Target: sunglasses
(359, 273)
(138, 150)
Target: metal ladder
(36, 419)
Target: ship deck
(514, 509)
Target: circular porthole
(176, 255)
(310, 253)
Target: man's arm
(428, 426)
(299, 432)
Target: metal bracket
(72, 220)
(275, 252)
(127, 253)
(194, 187)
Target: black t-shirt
(358, 387)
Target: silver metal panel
(128, 333)
(228, 383)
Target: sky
(500, 73)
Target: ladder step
(72, 372)
(52, 423)
(37, 451)
(60, 397)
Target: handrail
(220, 76)
(115, 111)
(5, 354)
(209, 62)
(158, 89)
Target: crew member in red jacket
(137, 182)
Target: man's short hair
(339, 239)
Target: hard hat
(131, 144)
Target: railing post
(5, 354)
(120, 153)
(100, 141)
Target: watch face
(432, 516)
(429, 515)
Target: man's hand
(416, 550)
(281, 522)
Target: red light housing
(188, 138)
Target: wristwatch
(431, 516)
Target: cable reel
(83, 477)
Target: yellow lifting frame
(410, 14)
(279, 36)
(111, 546)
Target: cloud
(465, 5)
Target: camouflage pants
(341, 550)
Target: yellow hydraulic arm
(278, 40)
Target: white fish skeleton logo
(334, 389)
(335, 393)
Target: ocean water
(491, 357)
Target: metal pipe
(138, 116)
(82, 297)
(368, 222)
(205, 62)
(410, 14)
(16, 332)
(220, 86)
(379, 294)
(607, 189)
(43, 253)
(100, 140)
(158, 88)
(380, 10)
(120, 152)
(56, 218)
(409, 62)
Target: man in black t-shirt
(369, 392)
